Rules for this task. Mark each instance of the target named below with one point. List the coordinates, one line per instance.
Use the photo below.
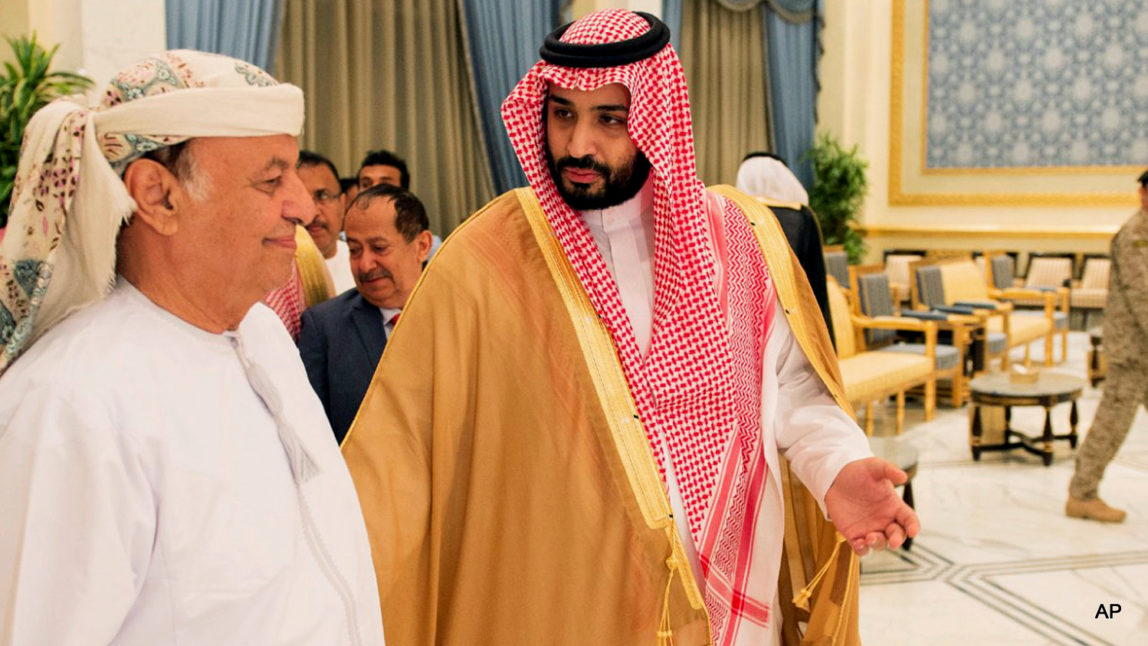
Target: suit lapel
(369, 326)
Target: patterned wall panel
(1036, 83)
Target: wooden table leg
(1073, 419)
(976, 430)
(1047, 437)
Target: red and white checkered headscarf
(288, 302)
(699, 388)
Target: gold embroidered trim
(613, 392)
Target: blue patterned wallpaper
(1044, 83)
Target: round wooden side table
(1051, 388)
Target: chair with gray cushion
(1091, 293)
(1044, 288)
(928, 295)
(871, 376)
(875, 301)
(837, 264)
(1003, 271)
(897, 268)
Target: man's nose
(365, 262)
(581, 141)
(316, 210)
(298, 205)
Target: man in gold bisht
(575, 435)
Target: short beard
(621, 184)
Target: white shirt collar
(624, 235)
(638, 211)
(389, 313)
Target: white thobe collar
(624, 235)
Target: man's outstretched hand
(866, 509)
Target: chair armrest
(1026, 292)
(949, 321)
(996, 306)
(955, 309)
(979, 305)
(892, 323)
(958, 326)
(1052, 296)
(963, 319)
(925, 316)
(929, 328)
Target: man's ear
(423, 244)
(157, 194)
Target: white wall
(96, 37)
(580, 8)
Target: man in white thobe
(169, 476)
(321, 178)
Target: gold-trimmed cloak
(508, 488)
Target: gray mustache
(375, 274)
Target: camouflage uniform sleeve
(1130, 256)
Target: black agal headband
(606, 54)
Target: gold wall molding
(895, 231)
(1123, 171)
(1011, 199)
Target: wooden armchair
(874, 300)
(872, 375)
(929, 294)
(1044, 287)
(1091, 293)
(897, 268)
(1049, 271)
(837, 264)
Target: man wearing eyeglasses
(321, 179)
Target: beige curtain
(390, 74)
(723, 53)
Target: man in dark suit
(342, 339)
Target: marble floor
(997, 561)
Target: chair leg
(869, 419)
(900, 411)
(1063, 345)
(930, 398)
(1048, 348)
(1028, 355)
(959, 387)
